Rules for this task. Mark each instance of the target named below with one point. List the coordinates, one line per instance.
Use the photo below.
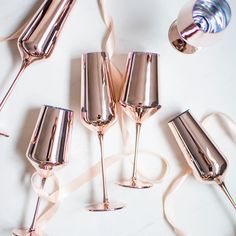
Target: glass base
(177, 42)
(25, 232)
(135, 184)
(110, 206)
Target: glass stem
(105, 195)
(225, 190)
(33, 224)
(10, 90)
(134, 175)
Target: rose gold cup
(206, 161)
(199, 24)
(48, 149)
(39, 37)
(98, 109)
(140, 99)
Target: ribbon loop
(54, 200)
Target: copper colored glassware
(98, 109)
(47, 150)
(206, 161)
(140, 99)
(199, 23)
(39, 37)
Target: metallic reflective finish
(206, 161)
(97, 97)
(98, 110)
(140, 96)
(50, 140)
(48, 148)
(135, 184)
(110, 206)
(39, 37)
(199, 24)
(140, 99)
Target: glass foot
(177, 41)
(135, 184)
(25, 232)
(110, 206)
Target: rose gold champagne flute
(204, 158)
(47, 150)
(39, 37)
(139, 99)
(98, 109)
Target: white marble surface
(204, 82)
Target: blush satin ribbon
(56, 197)
(176, 184)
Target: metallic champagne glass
(39, 37)
(206, 161)
(199, 23)
(98, 109)
(140, 99)
(47, 150)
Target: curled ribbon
(224, 120)
(42, 193)
(86, 177)
(55, 199)
(172, 189)
(179, 181)
(108, 45)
